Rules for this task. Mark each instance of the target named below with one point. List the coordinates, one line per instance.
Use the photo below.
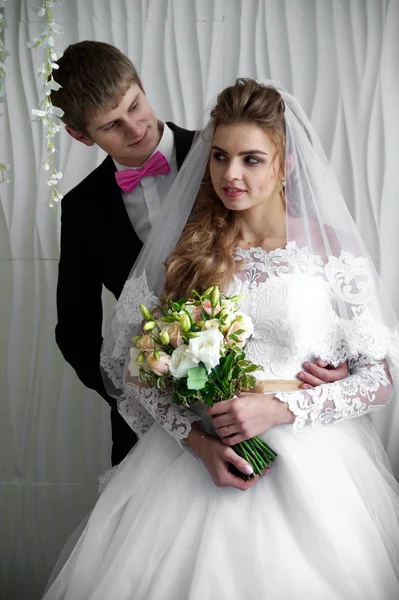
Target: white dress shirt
(143, 204)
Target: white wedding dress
(323, 524)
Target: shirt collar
(166, 146)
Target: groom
(106, 218)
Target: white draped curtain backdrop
(339, 57)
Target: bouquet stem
(257, 453)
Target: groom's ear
(80, 137)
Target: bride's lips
(232, 191)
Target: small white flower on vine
(34, 43)
(46, 113)
(38, 112)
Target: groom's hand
(321, 372)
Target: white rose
(206, 347)
(181, 362)
(211, 324)
(133, 366)
(229, 305)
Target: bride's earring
(282, 192)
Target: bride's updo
(204, 253)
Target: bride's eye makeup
(218, 156)
(252, 160)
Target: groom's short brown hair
(94, 77)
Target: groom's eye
(111, 126)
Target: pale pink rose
(195, 311)
(175, 334)
(242, 322)
(145, 343)
(160, 366)
(207, 306)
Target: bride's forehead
(242, 135)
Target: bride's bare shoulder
(323, 238)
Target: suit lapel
(117, 210)
(183, 140)
(120, 242)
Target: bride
(173, 522)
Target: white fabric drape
(338, 57)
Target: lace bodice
(290, 296)
(301, 308)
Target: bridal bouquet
(196, 348)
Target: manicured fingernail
(301, 376)
(248, 470)
(306, 365)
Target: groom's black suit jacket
(98, 247)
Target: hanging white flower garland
(47, 113)
(4, 167)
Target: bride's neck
(261, 229)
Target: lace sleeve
(174, 418)
(368, 387)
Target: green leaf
(243, 363)
(197, 378)
(251, 381)
(208, 397)
(233, 337)
(251, 368)
(181, 388)
(239, 332)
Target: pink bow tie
(128, 179)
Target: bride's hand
(217, 457)
(247, 416)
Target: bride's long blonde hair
(204, 253)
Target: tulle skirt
(323, 524)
